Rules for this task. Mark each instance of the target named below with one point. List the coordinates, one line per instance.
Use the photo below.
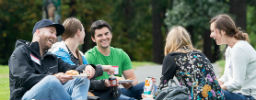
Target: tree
(157, 23)
(132, 34)
(86, 11)
(238, 8)
(195, 16)
(17, 19)
(251, 21)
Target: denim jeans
(50, 88)
(236, 96)
(134, 92)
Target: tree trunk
(88, 44)
(72, 7)
(128, 13)
(238, 8)
(157, 21)
(207, 45)
(216, 54)
(129, 16)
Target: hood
(57, 46)
(33, 46)
(21, 43)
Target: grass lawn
(4, 78)
(221, 63)
(4, 82)
(144, 63)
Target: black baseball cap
(46, 22)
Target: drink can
(112, 81)
(148, 87)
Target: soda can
(148, 87)
(112, 81)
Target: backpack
(172, 92)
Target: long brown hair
(178, 40)
(72, 25)
(224, 22)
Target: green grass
(4, 82)
(221, 63)
(4, 78)
(144, 63)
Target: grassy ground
(136, 64)
(221, 64)
(4, 78)
(4, 82)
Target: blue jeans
(50, 88)
(236, 96)
(132, 92)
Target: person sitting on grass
(238, 81)
(69, 52)
(36, 74)
(104, 54)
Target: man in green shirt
(104, 54)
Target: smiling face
(217, 35)
(47, 37)
(102, 37)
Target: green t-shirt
(117, 57)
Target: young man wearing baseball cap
(36, 74)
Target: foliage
(251, 24)
(132, 28)
(133, 35)
(131, 21)
(17, 18)
(194, 15)
(221, 64)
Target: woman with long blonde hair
(190, 66)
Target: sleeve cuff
(98, 71)
(81, 68)
(231, 87)
(93, 66)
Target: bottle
(113, 85)
(112, 80)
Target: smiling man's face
(47, 37)
(102, 37)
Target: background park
(139, 26)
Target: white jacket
(240, 69)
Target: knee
(141, 85)
(52, 81)
(82, 81)
(86, 81)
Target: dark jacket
(27, 67)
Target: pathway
(142, 72)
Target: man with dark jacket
(36, 74)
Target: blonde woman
(238, 81)
(190, 66)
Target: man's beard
(44, 46)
